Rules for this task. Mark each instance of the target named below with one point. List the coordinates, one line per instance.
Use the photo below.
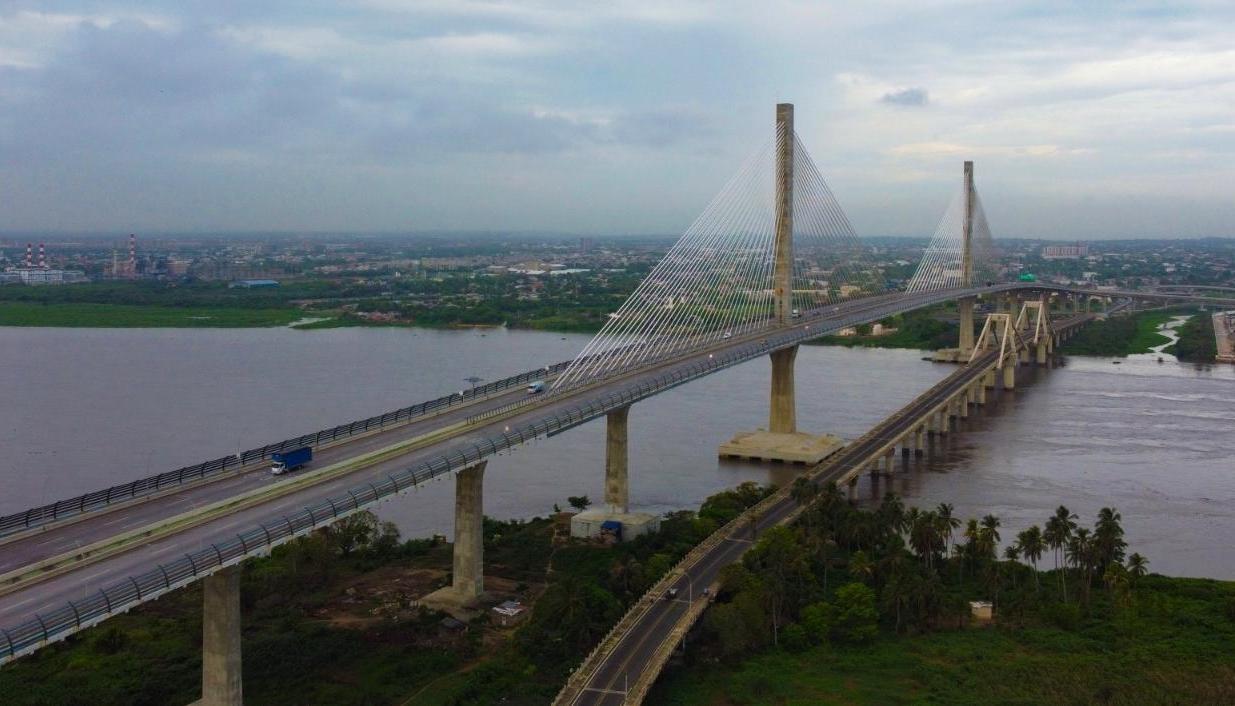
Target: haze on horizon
(1085, 120)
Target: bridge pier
(919, 440)
(617, 483)
(467, 578)
(1041, 353)
(964, 403)
(1009, 376)
(888, 460)
(783, 416)
(221, 678)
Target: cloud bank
(1085, 120)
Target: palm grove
(840, 570)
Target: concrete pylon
(221, 682)
(782, 271)
(468, 581)
(617, 484)
(966, 303)
(783, 416)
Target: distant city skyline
(1086, 121)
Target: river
(85, 408)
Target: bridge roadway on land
(167, 541)
(633, 662)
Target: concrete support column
(966, 304)
(853, 489)
(469, 576)
(888, 460)
(943, 422)
(783, 416)
(221, 684)
(617, 484)
(989, 379)
(1041, 353)
(966, 323)
(782, 268)
(1009, 376)
(964, 403)
(981, 390)
(919, 440)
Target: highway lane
(22, 550)
(87, 579)
(625, 664)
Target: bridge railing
(61, 622)
(88, 502)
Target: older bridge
(771, 263)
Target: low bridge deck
(68, 576)
(625, 665)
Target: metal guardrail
(65, 620)
(838, 462)
(89, 502)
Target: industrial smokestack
(29, 254)
(132, 255)
(42, 256)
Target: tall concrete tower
(782, 417)
(966, 304)
(782, 272)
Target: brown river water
(85, 408)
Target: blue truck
(285, 461)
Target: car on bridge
(535, 388)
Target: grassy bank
(1120, 335)
(141, 316)
(872, 606)
(1196, 342)
(918, 330)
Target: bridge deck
(635, 658)
(165, 531)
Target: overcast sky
(1085, 119)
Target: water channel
(85, 408)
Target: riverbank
(855, 606)
(1121, 336)
(88, 315)
(1171, 646)
(333, 618)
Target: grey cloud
(913, 97)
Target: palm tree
(860, 566)
(988, 536)
(1031, 546)
(1108, 538)
(1138, 566)
(947, 522)
(1058, 531)
(1080, 553)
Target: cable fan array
(941, 262)
(715, 282)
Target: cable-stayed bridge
(771, 263)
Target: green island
(920, 330)
(848, 605)
(1196, 342)
(1120, 335)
